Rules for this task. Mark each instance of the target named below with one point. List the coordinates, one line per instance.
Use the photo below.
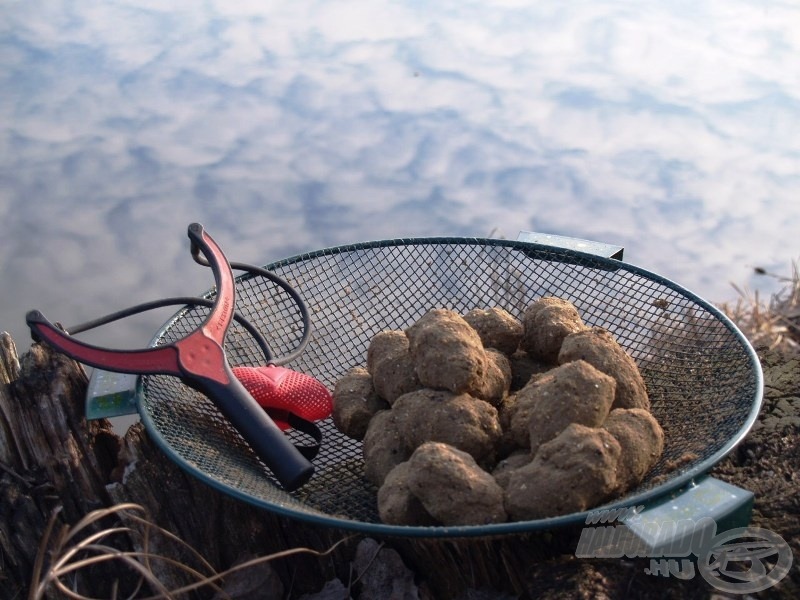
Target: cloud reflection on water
(667, 128)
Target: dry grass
(65, 552)
(774, 323)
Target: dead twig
(72, 553)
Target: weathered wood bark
(50, 457)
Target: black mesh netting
(701, 374)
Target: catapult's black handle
(268, 442)
(204, 366)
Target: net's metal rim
(673, 485)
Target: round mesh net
(702, 376)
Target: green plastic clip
(111, 394)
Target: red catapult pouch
(286, 394)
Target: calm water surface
(672, 129)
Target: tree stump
(53, 458)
